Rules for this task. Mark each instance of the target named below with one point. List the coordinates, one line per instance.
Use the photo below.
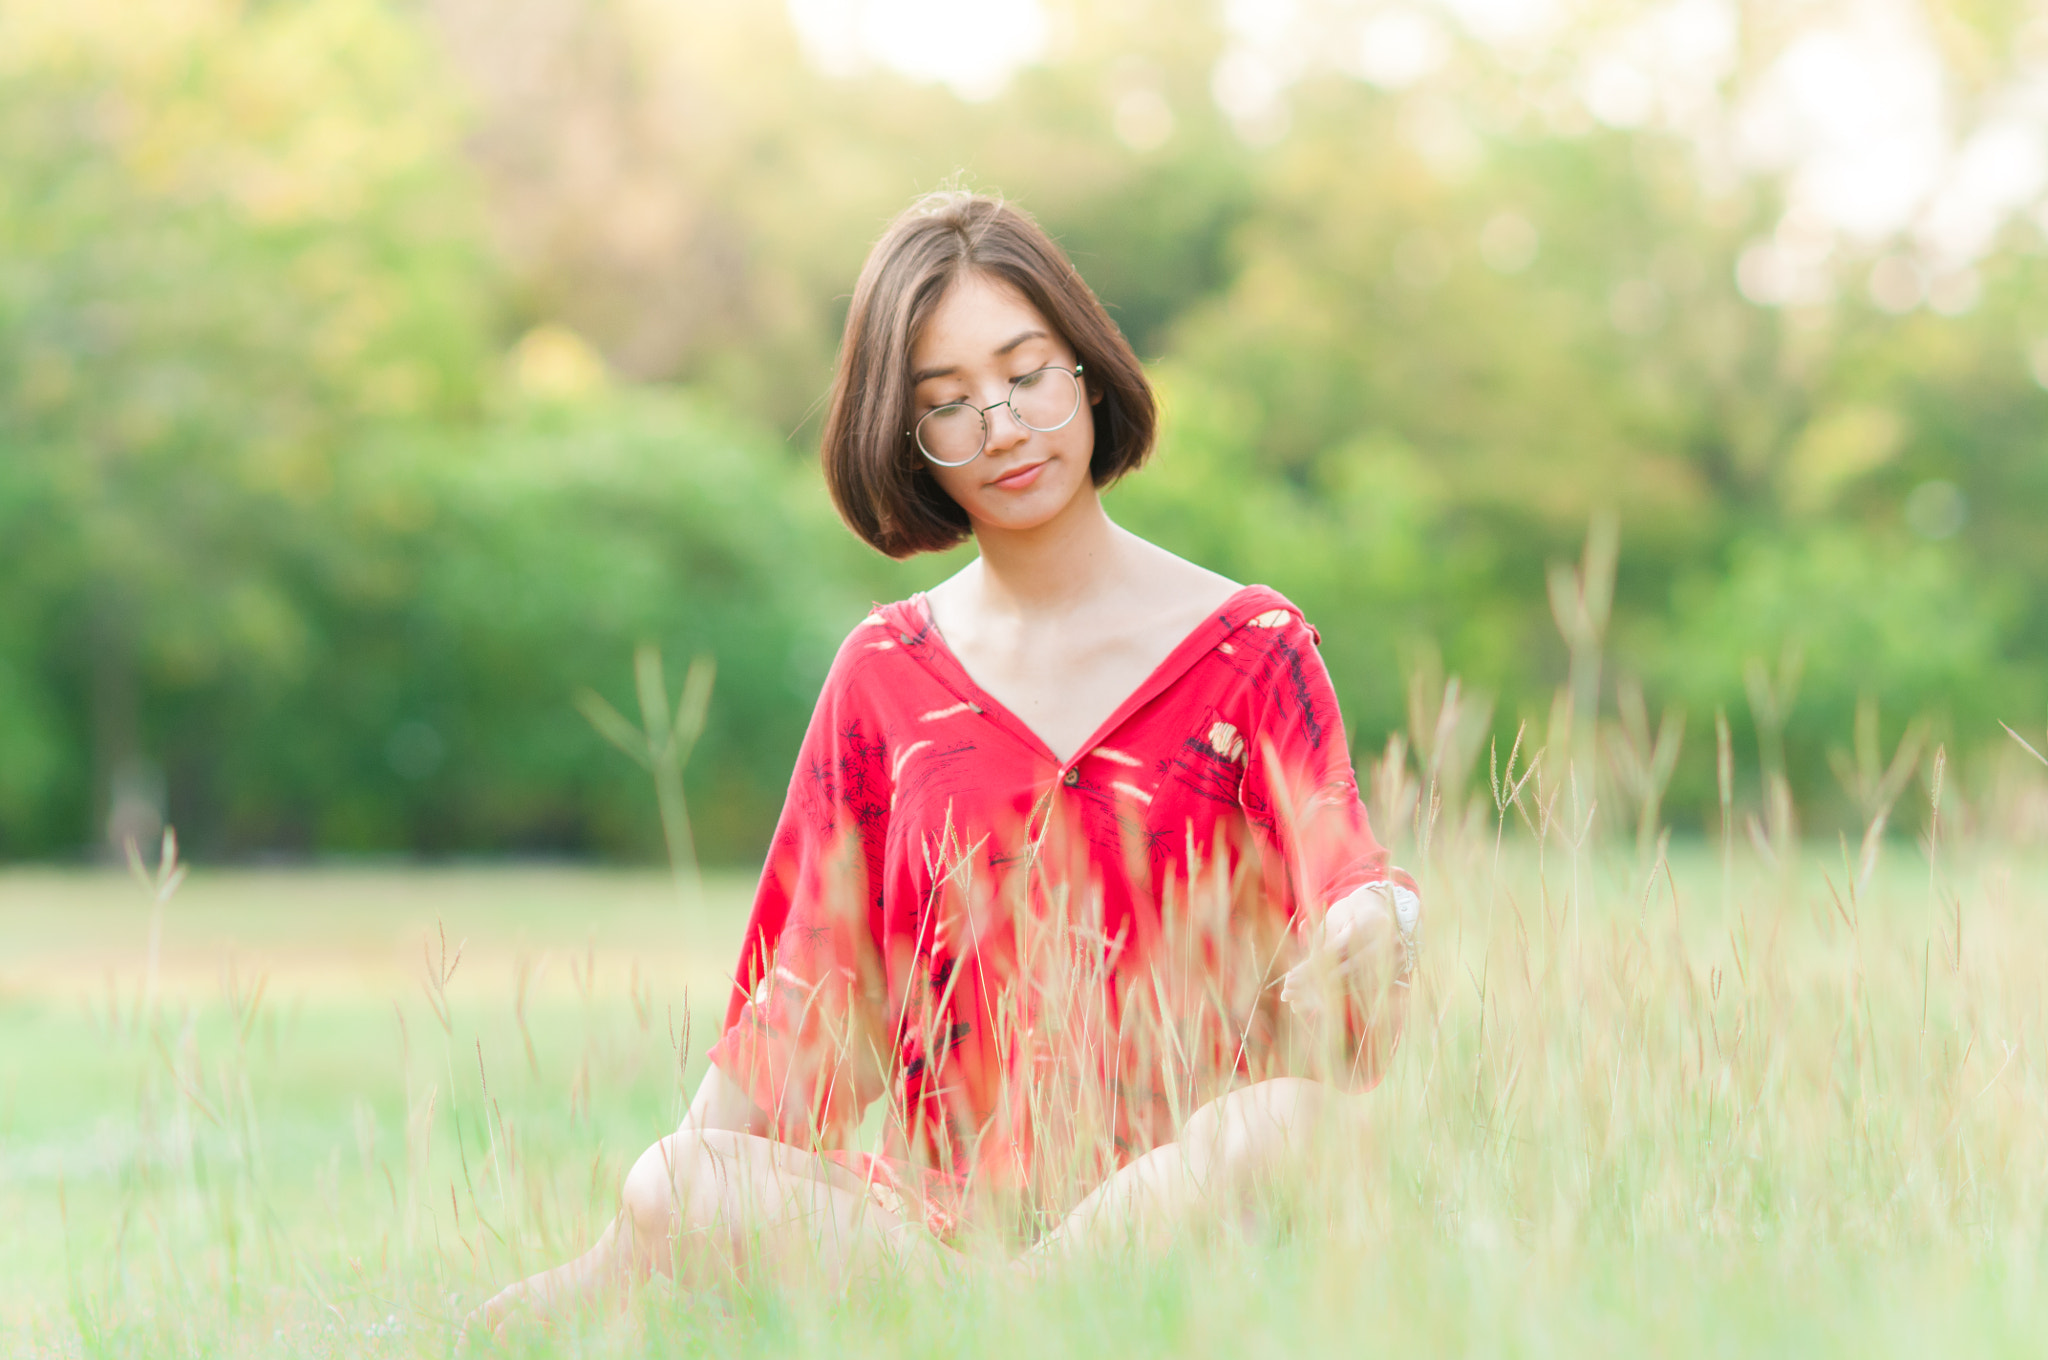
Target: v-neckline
(1197, 642)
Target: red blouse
(1022, 952)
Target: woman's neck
(1052, 567)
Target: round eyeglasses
(954, 435)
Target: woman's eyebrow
(1020, 339)
(923, 374)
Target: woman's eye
(950, 411)
(1029, 381)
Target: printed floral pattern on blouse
(1045, 966)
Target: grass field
(1724, 1107)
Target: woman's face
(983, 337)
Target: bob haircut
(882, 486)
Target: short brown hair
(883, 488)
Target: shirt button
(1071, 778)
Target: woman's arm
(722, 1103)
(1358, 917)
(804, 1034)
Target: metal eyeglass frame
(1009, 401)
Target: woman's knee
(647, 1199)
(1254, 1124)
(669, 1183)
(701, 1179)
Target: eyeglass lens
(1042, 402)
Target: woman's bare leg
(706, 1204)
(1225, 1150)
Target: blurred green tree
(232, 237)
(373, 378)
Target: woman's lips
(1021, 478)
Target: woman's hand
(1363, 937)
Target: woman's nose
(1004, 429)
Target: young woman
(1073, 888)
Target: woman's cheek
(960, 489)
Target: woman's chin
(1017, 512)
(1019, 515)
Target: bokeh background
(374, 376)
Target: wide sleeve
(1300, 796)
(1299, 791)
(803, 1029)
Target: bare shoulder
(1171, 587)
(951, 601)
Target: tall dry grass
(1742, 1092)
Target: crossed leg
(1228, 1150)
(706, 1205)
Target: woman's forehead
(977, 319)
